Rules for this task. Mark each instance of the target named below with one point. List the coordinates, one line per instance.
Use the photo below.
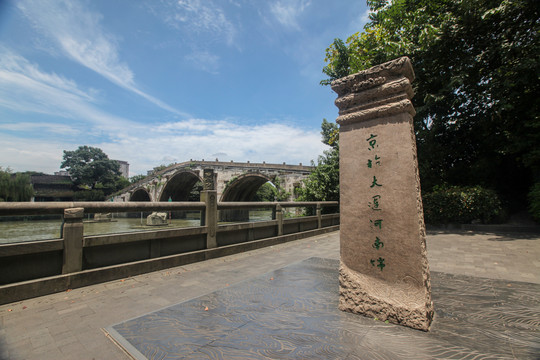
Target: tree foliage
(477, 66)
(195, 193)
(322, 183)
(271, 191)
(267, 192)
(330, 134)
(534, 201)
(136, 178)
(93, 171)
(461, 205)
(15, 187)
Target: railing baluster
(319, 216)
(209, 197)
(72, 231)
(279, 217)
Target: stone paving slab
(291, 313)
(78, 334)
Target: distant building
(52, 187)
(124, 168)
(61, 173)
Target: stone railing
(34, 268)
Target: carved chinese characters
(384, 270)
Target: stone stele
(384, 271)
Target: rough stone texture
(384, 269)
(209, 181)
(74, 213)
(502, 261)
(72, 234)
(103, 217)
(240, 177)
(156, 218)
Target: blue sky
(156, 82)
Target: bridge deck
(69, 325)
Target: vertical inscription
(384, 271)
(374, 203)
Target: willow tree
(15, 187)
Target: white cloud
(27, 89)
(58, 129)
(286, 12)
(147, 148)
(204, 61)
(203, 139)
(78, 33)
(196, 17)
(36, 155)
(201, 24)
(12, 63)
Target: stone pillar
(318, 212)
(279, 218)
(210, 198)
(72, 233)
(209, 180)
(384, 271)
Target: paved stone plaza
(488, 283)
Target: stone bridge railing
(35, 268)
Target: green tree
(120, 183)
(281, 193)
(15, 187)
(338, 56)
(93, 171)
(330, 134)
(195, 193)
(267, 192)
(322, 183)
(271, 191)
(477, 66)
(136, 178)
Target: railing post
(279, 218)
(319, 216)
(73, 240)
(209, 197)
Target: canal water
(28, 229)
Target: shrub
(460, 205)
(534, 201)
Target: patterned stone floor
(291, 313)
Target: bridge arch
(244, 187)
(179, 186)
(140, 195)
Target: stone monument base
(401, 304)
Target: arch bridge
(233, 181)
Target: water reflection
(28, 229)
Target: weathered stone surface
(72, 234)
(103, 217)
(73, 213)
(232, 180)
(384, 270)
(156, 218)
(209, 182)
